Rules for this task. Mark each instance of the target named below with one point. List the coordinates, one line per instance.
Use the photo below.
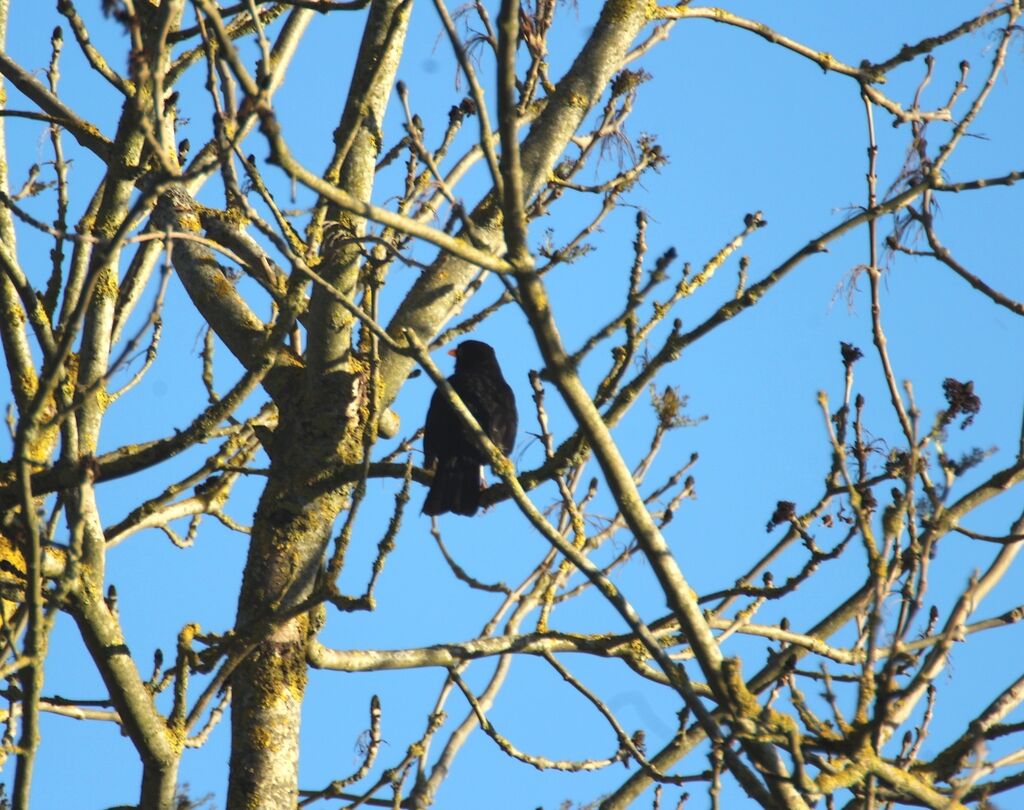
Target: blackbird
(448, 445)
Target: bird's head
(473, 354)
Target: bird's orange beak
(453, 352)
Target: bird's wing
(492, 402)
(438, 430)
(489, 399)
(505, 420)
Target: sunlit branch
(825, 61)
(486, 138)
(457, 247)
(87, 134)
(541, 763)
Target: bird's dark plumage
(448, 446)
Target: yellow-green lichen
(831, 782)
(106, 285)
(826, 60)
(11, 560)
(579, 100)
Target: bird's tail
(456, 488)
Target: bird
(448, 445)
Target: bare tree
(814, 707)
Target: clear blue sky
(746, 126)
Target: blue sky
(746, 126)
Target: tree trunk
(320, 426)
